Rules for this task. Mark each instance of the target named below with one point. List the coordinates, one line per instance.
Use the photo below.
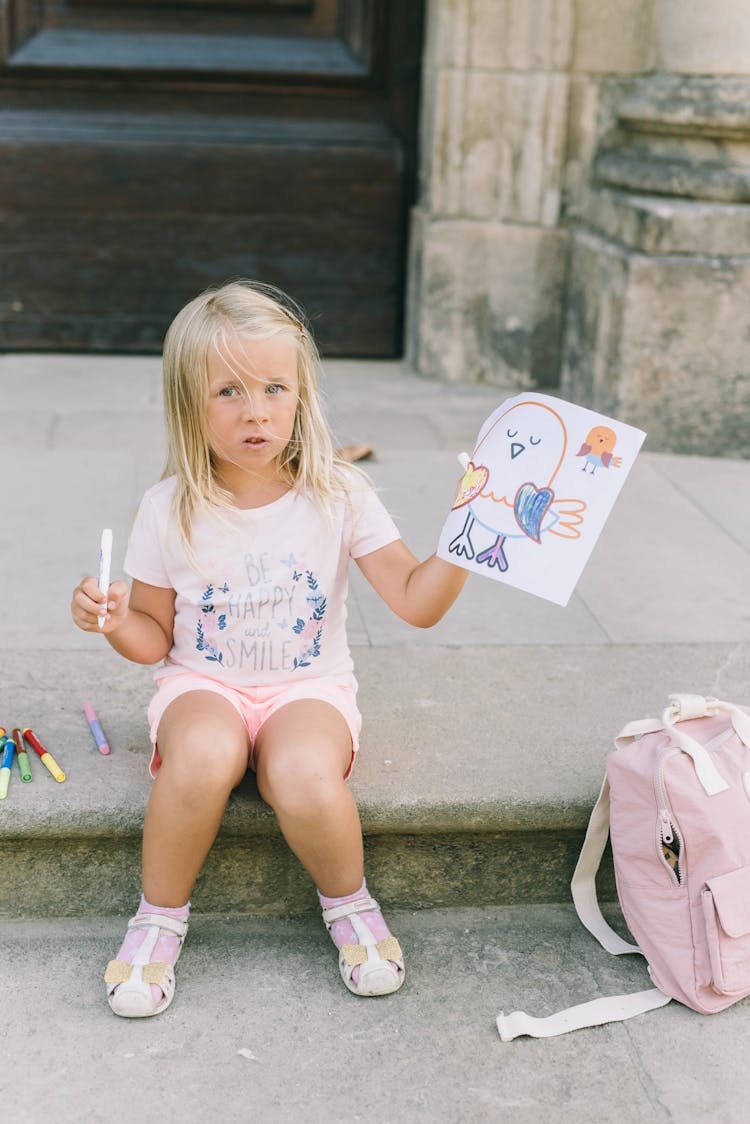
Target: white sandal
(374, 958)
(129, 985)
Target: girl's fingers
(89, 603)
(86, 605)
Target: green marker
(21, 755)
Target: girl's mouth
(255, 441)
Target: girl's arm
(418, 592)
(138, 625)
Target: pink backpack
(676, 803)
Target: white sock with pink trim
(167, 947)
(342, 931)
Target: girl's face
(253, 391)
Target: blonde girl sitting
(239, 560)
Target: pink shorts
(256, 704)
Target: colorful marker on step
(22, 756)
(5, 763)
(96, 730)
(105, 565)
(45, 756)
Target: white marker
(105, 564)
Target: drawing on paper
(525, 512)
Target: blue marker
(8, 750)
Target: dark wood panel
(320, 221)
(133, 177)
(219, 55)
(274, 6)
(303, 167)
(322, 18)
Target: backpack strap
(613, 1008)
(740, 720)
(681, 709)
(583, 883)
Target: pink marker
(96, 729)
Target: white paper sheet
(538, 489)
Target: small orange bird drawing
(597, 449)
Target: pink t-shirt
(269, 602)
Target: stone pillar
(658, 298)
(487, 267)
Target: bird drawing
(507, 487)
(597, 449)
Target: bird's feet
(494, 555)
(462, 544)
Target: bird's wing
(584, 449)
(569, 518)
(606, 459)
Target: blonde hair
(252, 311)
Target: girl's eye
(512, 433)
(274, 388)
(535, 440)
(227, 392)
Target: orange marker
(46, 757)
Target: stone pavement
(485, 802)
(314, 1054)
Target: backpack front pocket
(726, 911)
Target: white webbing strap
(614, 1008)
(682, 708)
(583, 883)
(635, 730)
(709, 776)
(740, 720)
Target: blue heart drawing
(530, 507)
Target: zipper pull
(666, 827)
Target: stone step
(262, 1028)
(478, 770)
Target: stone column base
(660, 339)
(486, 301)
(658, 299)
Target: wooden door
(149, 148)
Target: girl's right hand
(89, 602)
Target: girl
(238, 560)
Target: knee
(204, 759)
(296, 789)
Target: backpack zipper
(669, 843)
(668, 838)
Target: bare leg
(204, 749)
(302, 753)
(203, 745)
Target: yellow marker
(45, 756)
(48, 760)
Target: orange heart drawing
(472, 483)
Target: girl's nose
(255, 404)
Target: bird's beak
(515, 449)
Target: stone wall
(583, 221)
(487, 270)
